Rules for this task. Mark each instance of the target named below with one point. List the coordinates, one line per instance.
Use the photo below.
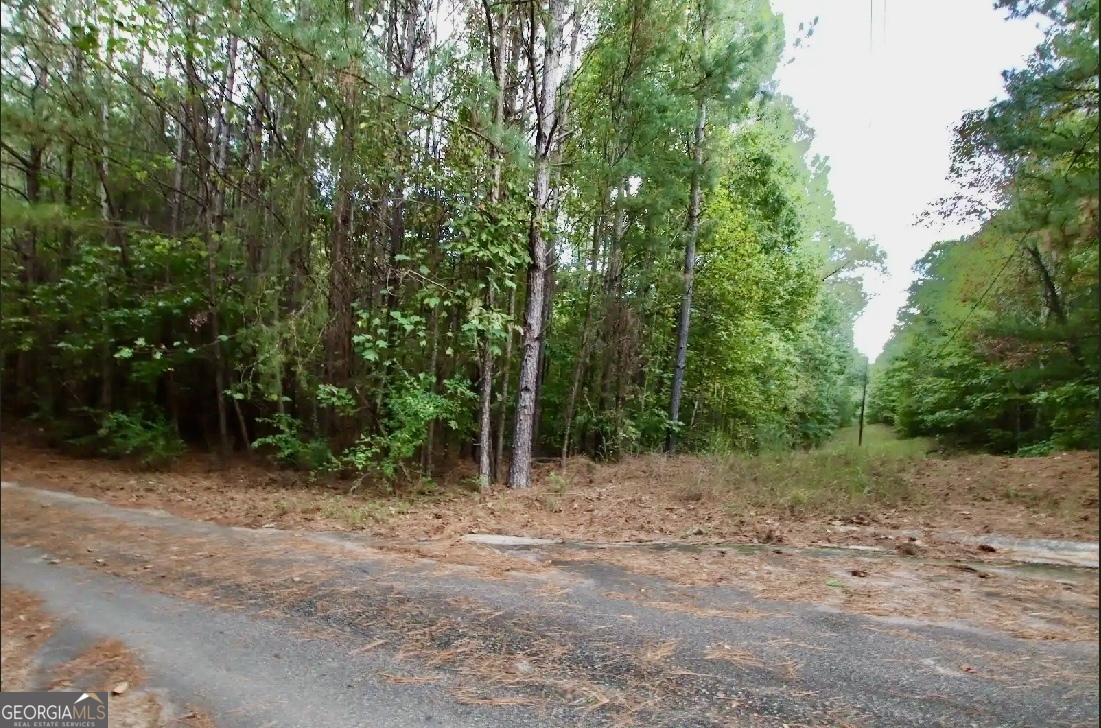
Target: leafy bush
(1036, 450)
(1075, 422)
(291, 449)
(411, 406)
(127, 435)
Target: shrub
(153, 441)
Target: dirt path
(251, 624)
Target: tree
(1023, 379)
(306, 228)
(547, 108)
(731, 73)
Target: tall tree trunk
(214, 227)
(402, 40)
(1054, 300)
(485, 410)
(451, 366)
(516, 92)
(433, 367)
(106, 392)
(545, 105)
(583, 350)
(613, 302)
(177, 180)
(406, 33)
(485, 418)
(222, 137)
(431, 151)
(549, 289)
(689, 269)
(257, 228)
(506, 370)
(67, 200)
(341, 257)
(562, 121)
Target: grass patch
(841, 475)
(879, 440)
(361, 513)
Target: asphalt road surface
(265, 628)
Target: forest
(997, 346)
(372, 238)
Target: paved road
(263, 628)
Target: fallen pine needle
(479, 700)
(410, 680)
(367, 647)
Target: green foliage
(411, 406)
(292, 448)
(151, 441)
(338, 398)
(1074, 423)
(839, 478)
(997, 347)
(316, 257)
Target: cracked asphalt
(267, 628)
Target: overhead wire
(871, 26)
(1009, 258)
(871, 41)
(871, 51)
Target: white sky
(883, 115)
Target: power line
(1009, 258)
(871, 44)
(871, 25)
(871, 52)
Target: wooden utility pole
(863, 400)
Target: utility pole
(863, 400)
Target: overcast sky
(882, 112)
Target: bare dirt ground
(916, 504)
(24, 626)
(107, 666)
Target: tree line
(373, 236)
(997, 346)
